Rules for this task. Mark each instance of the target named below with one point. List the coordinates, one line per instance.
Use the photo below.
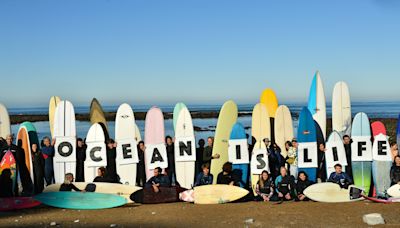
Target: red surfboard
(17, 203)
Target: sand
(288, 214)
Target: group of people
(281, 182)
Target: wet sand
(288, 214)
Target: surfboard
(332, 193)
(268, 98)
(362, 170)
(5, 126)
(8, 162)
(97, 115)
(106, 188)
(341, 109)
(54, 100)
(96, 151)
(381, 165)
(317, 103)
(17, 203)
(65, 133)
(260, 130)
(213, 194)
(24, 142)
(185, 170)
(283, 128)
(165, 195)
(238, 132)
(394, 191)
(80, 200)
(306, 134)
(331, 159)
(226, 119)
(154, 134)
(385, 201)
(177, 109)
(125, 132)
(138, 134)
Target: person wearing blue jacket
(158, 180)
(339, 177)
(285, 186)
(48, 154)
(205, 177)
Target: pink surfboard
(154, 132)
(17, 203)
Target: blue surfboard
(307, 133)
(80, 200)
(238, 132)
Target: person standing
(171, 159)
(112, 174)
(80, 160)
(141, 171)
(199, 155)
(208, 152)
(321, 174)
(292, 158)
(38, 169)
(48, 154)
(347, 146)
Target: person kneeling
(158, 180)
(339, 177)
(265, 188)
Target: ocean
(372, 109)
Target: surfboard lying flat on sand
(317, 103)
(283, 128)
(385, 201)
(394, 191)
(106, 188)
(362, 170)
(17, 203)
(5, 126)
(165, 195)
(226, 119)
(341, 109)
(184, 169)
(81, 200)
(332, 193)
(213, 194)
(54, 100)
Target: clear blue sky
(161, 52)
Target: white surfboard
(332, 193)
(213, 194)
(283, 128)
(138, 135)
(96, 156)
(335, 153)
(125, 136)
(185, 158)
(5, 126)
(394, 191)
(65, 134)
(341, 109)
(106, 188)
(317, 102)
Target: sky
(198, 52)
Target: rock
(53, 224)
(249, 221)
(113, 225)
(76, 221)
(16, 220)
(373, 219)
(153, 213)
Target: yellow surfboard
(97, 114)
(260, 130)
(54, 100)
(217, 194)
(268, 97)
(226, 119)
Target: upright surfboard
(97, 115)
(177, 109)
(307, 139)
(268, 98)
(54, 100)
(125, 136)
(138, 134)
(341, 109)
(8, 162)
(238, 141)
(283, 128)
(23, 141)
(80, 200)
(5, 126)
(382, 159)
(317, 103)
(260, 130)
(335, 153)
(213, 194)
(226, 119)
(96, 151)
(185, 149)
(65, 134)
(361, 152)
(155, 154)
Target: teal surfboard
(238, 132)
(178, 107)
(80, 200)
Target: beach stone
(249, 221)
(373, 219)
(76, 221)
(113, 225)
(53, 224)
(153, 213)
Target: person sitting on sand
(395, 171)
(339, 177)
(301, 185)
(284, 185)
(158, 180)
(205, 177)
(265, 188)
(101, 175)
(227, 176)
(68, 185)
(6, 184)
